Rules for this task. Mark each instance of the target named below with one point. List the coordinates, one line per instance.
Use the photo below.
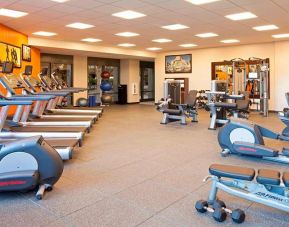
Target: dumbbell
(219, 214)
(220, 211)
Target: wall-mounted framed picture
(178, 63)
(26, 53)
(11, 53)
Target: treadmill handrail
(14, 102)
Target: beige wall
(79, 75)
(201, 64)
(130, 75)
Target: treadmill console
(7, 67)
(13, 81)
(32, 81)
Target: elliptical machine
(243, 137)
(284, 117)
(28, 163)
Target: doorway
(147, 81)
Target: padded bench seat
(225, 105)
(232, 172)
(265, 176)
(268, 176)
(172, 112)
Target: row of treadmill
(41, 133)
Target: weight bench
(269, 187)
(182, 111)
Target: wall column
(130, 75)
(79, 76)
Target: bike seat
(234, 172)
(285, 178)
(172, 112)
(268, 176)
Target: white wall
(201, 64)
(281, 72)
(79, 76)
(130, 75)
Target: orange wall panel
(13, 37)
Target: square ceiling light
(188, 45)
(280, 36)
(154, 48)
(11, 13)
(129, 14)
(207, 35)
(60, 1)
(91, 40)
(79, 25)
(127, 34)
(241, 16)
(126, 45)
(230, 41)
(42, 33)
(175, 27)
(266, 27)
(200, 2)
(162, 40)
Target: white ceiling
(50, 16)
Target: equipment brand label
(269, 196)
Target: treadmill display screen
(7, 67)
(28, 70)
(44, 71)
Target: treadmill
(51, 83)
(62, 85)
(35, 85)
(70, 134)
(11, 83)
(24, 119)
(63, 147)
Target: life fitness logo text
(268, 196)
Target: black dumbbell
(238, 216)
(219, 214)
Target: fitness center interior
(144, 113)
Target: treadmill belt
(72, 113)
(60, 119)
(54, 142)
(47, 129)
(62, 142)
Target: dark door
(147, 75)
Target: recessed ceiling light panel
(280, 36)
(266, 27)
(162, 40)
(79, 25)
(91, 40)
(126, 45)
(175, 27)
(60, 1)
(207, 35)
(200, 2)
(127, 34)
(188, 45)
(154, 48)
(42, 33)
(230, 41)
(241, 16)
(11, 13)
(129, 14)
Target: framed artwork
(178, 63)
(26, 53)
(10, 53)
